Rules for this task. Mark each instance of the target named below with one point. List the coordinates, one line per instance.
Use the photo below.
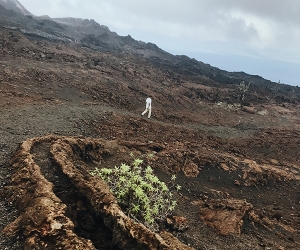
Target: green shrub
(139, 192)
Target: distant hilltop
(15, 5)
(90, 34)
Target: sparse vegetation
(243, 88)
(139, 192)
(274, 90)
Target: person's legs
(145, 111)
(149, 114)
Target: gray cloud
(265, 23)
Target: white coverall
(148, 107)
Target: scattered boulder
(177, 223)
(190, 170)
(226, 216)
(249, 110)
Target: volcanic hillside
(70, 102)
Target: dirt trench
(62, 207)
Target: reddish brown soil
(239, 170)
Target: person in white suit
(148, 106)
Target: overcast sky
(259, 37)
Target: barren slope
(239, 170)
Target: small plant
(243, 88)
(275, 90)
(150, 156)
(139, 192)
